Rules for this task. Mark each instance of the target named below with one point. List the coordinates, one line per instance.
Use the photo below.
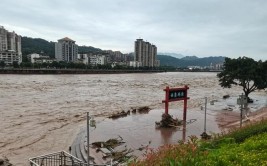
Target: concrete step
(75, 147)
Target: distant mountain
(37, 45)
(166, 60)
(172, 54)
(88, 49)
(189, 58)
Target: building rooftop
(66, 39)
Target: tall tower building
(10, 47)
(66, 50)
(138, 50)
(153, 56)
(145, 53)
(3, 39)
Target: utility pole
(241, 110)
(204, 135)
(242, 100)
(205, 119)
(88, 149)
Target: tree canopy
(2, 64)
(245, 72)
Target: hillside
(166, 60)
(172, 54)
(36, 45)
(88, 49)
(30, 45)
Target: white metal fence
(56, 159)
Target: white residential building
(66, 50)
(95, 60)
(145, 53)
(37, 58)
(32, 56)
(115, 56)
(10, 47)
(84, 58)
(135, 64)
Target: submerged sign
(177, 94)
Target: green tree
(2, 64)
(63, 64)
(15, 64)
(245, 72)
(44, 65)
(55, 64)
(26, 64)
(25, 58)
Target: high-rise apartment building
(3, 39)
(145, 53)
(66, 50)
(10, 47)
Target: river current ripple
(43, 113)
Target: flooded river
(43, 113)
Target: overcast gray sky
(203, 28)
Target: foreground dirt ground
(228, 119)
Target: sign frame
(169, 90)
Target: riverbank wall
(73, 71)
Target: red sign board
(176, 94)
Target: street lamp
(204, 135)
(205, 119)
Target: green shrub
(252, 152)
(249, 130)
(175, 155)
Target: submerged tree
(245, 72)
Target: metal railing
(61, 158)
(56, 159)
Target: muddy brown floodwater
(139, 130)
(41, 114)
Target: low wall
(72, 71)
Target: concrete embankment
(73, 71)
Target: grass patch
(253, 151)
(249, 130)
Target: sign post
(176, 94)
(167, 100)
(88, 130)
(205, 118)
(242, 100)
(204, 135)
